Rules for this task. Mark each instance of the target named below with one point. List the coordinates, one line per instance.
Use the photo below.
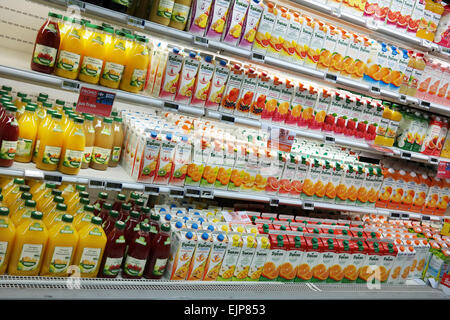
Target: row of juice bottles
(96, 54)
(51, 231)
(55, 136)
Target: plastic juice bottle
(89, 134)
(61, 245)
(393, 125)
(55, 216)
(136, 66)
(94, 50)
(161, 12)
(72, 199)
(118, 134)
(104, 141)
(137, 253)
(10, 133)
(20, 202)
(78, 207)
(109, 223)
(43, 127)
(125, 210)
(24, 213)
(73, 148)
(70, 52)
(52, 203)
(51, 140)
(115, 58)
(7, 238)
(114, 252)
(99, 203)
(41, 111)
(46, 45)
(41, 196)
(84, 218)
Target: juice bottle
(94, 50)
(27, 135)
(84, 218)
(180, 14)
(115, 58)
(11, 190)
(104, 141)
(41, 196)
(110, 221)
(118, 134)
(55, 215)
(73, 148)
(114, 252)
(43, 125)
(20, 202)
(10, 133)
(99, 203)
(136, 66)
(51, 206)
(78, 208)
(161, 11)
(70, 52)
(90, 247)
(46, 45)
(61, 245)
(89, 134)
(51, 140)
(24, 214)
(137, 253)
(7, 238)
(29, 248)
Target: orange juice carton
(261, 92)
(294, 115)
(265, 28)
(251, 24)
(400, 268)
(218, 84)
(231, 256)
(294, 258)
(199, 17)
(235, 21)
(279, 245)
(150, 158)
(183, 244)
(289, 48)
(359, 251)
(284, 107)
(233, 89)
(171, 75)
(188, 77)
(327, 264)
(195, 169)
(251, 171)
(301, 173)
(340, 51)
(443, 197)
(312, 181)
(304, 39)
(311, 258)
(247, 93)
(316, 44)
(328, 48)
(262, 251)
(321, 110)
(288, 176)
(200, 256)
(275, 86)
(348, 63)
(212, 164)
(245, 258)
(394, 13)
(217, 22)
(374, 181)
(400, 73)
(237, 173)
(373, 261)
(422, 251)
(356, 190)
(327, 192)
(410, 191)
(361, 60)
(216, 255)
(305, 98)
(278, 34)
(372, 66)
(391, 63)
(388, 259)
(432, 198)
(398, 190)
(225, 166)
(182, 158)
(165, 163)
(343, 259)
(203, 82)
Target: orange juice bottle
(384, 123)
(29, 248)
(70, 52)
(136, 65)
(41, 197)
(20, 202)
(11, 190)
(50, 207)
(84, 218)
(51, 141)
(24, 214)
(94, 51)
(90, 247)
(61, 245)
(27, 135)
(7, 236)
(43, 125)
(73, 149)
(55, 215)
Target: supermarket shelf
(12, 288)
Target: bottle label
(121, 239)
(165, 8)
(106, 131)
(138, 78)
(160, 267)
(89, 260)
(91, 67)
(3, 249)
(24, 147)
(134, 267)
(141, 240)
(36, 226)
(72, 159)
(95, 232)
(115, 155)
(51, 155)
(113, 72)
(87, 155)
(66, 229)
(44, 55)
(180, 13)
(8, 150)
(112, 266)
(60, 259)
(100, 155)
(36, 148)
(68, 61)
(29, 257)
(3, 223)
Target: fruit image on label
(51, 155)
(134, 267)
(68, 61)
(24, 147)
(60, 259)
(44, 55)
(29, 257)
(73, 158)
(8, 150)
(89, 260)
(113, 71)
(138, 78)
(87, 154)
(91, 67)
(112, 266)
(101, 155)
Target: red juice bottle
(104, 212)
(138, 204)
(120, 198)
(137, 254)
(109, 224)
(159, 254)
(132, 199)
(10, 134)
(132, 224)
(155, 222)
(98, 204)
(125, 212)
(114, 252)
(46, 45)
(145, 214)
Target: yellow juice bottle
(29, 248)
(55, 216)
(20, 203)
(61, 246)
(51, 142)
(137, 61)
(44, 196)
(73, 148)
(115, 60)
(383, 125)
(23, 214)
(11, 191)
(78, 208)
(50, 208)
(16, 197)
(43, 125)
(70, 51)
(89, 133)
(394, 122)
(84, 218)
(27, 135)
(64, 26)
(37, 188)
(7, 237)
(93, 54)
(73, 198)
(90, 247)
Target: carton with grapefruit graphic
(417, 17)
(259, 259)
(316, 44)
(382, 10)
(272, 173)
(425, 81)
(203, 83)
(304, 39)
(294, 258)
(278, 32)
(216, 254)
(405, 15)
(340, 51)
(284, 107)
(188, 77)
(200, 12)
(443, 88)
(321, 110)
(435, 84)
(289, 50)
(251, 24)
(279, 245)
(312, 183)
(233, 89)
(235, 21)
(328, 48)
(199, 258)
(300, 176)
(183, 244)
(272, 99)
(288, 177)
(231, 256)
(172, 75)
(218, 84)
(358, 261)
(266, 25)
(394, 13)
(261, 93)
(245, 258)
(216, 24)
(370, 8)
(247, 92)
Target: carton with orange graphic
(340, 51)
(276, 257)
(284, 103)
(226, 164)
(266, 25)
(371, 270)
(362, 58)
(237, 174)
(278, 32)
(374, 181)
(183, 244)
(213, 154)
(247, 93)
(311, 258)
(181, 160)
(321, 109)
(306, 97)
(261, 94)
(387, 261)
(443, 198)
(195, 168)
(401, 73)
(200, 256)
(233, 89)
(290, 46)
(348, 175)
(294, 116)
(343, 260)
(251, 172)
(327, 264)
(353, 50)
(337, 174)
(422, 250)
(272, 99)
(422, 185)
(303, 166)
(409, 192)
(398, 189)
(324, 185)
(357, 190)
(432, 199)
(312, 181)
(294, 258)
(231, 256)
(358, 261)
(391, 74)
(245, 259)
(328, 48)
(316, 44)
(259, 259)
(216, 254)
(304, 39)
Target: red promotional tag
(443, 170)
(95, 101)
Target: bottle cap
(135, 214)
(144, 227)
(89, 208)
(4, 211)
(24, 188)
(107, 206)
(114, 213)
(119, 225)
(67, 218)
(30, 203)
(36, 215)
(155, 217)
(96, 220)
(61, 207)
(126, 206)
(165, 227)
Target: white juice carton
(203, 83)
(172, 75)
(259, 259)
(251, 24)
(245, 257)
(293, 31)
(182, 249)
(266, 25)
(200, 256)
(188, 77)
(278, 33)
(217, 22)
(235, 21)
(218, 83)
(216, 255)
(231, 256)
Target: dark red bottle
(10, 134)
(104, 213)
(114, 252)
(137, 254)
(109, 224)
(132, 224)
(133, 197)
(46, 45)
(145, 214)
(138, 204)
(124, 212)
(159, 254)
(98, 204)
(120, 198)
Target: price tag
(136, 22)
(433, 160)
(371, 24)
(77, 3)
(170, 106)
(405, 216)
(226, 118)
(257, 57)
(189, 192)
(274, 202)
(201, 41)
(395, 215)
(95, 184)
(405, 155)
(70, 85)
(207, 194)
(375, 90)
(33, 174)
(330, 77)
(425, 105)
(336, 12)
(330, 139)
(113, 186)
(175, 193)
(426, 218)
(95, 101)
(307, 205)
(402, 98)
(426, 43)
(152, 190)
(53, 178)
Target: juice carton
(266, 25)
(345, 124)
(420, 132)
(382, 10)
(443, 198)
(374, 181)
(400, 268)
(247, 93)
(321, 110)
(274, 172)
(261, 92)
(262, 250)
(237, 174)
(294, 258)
(370, 9)
(199, 258)
(245, 259)
(399, 74)
(404, 87)
(212, 165)
(235, 21)
(417, 17)
(278, 32)
(272, 99)
(443, 88)
(340, 51)
(195, 169)
(251, 170)
(289, 50)
(171, 75)
(316, 44)
(216, 255)
(288, 176)
(364, 117)
(361, 60)
(181, 251)
(358, 261)
(165, 163)
(218, 84)
(203, 83)
(308, 96)
(217, 22)
(410, 190)
(405, 15)
(355, 126)
(391, 64)
(233, 89)
(276, 257)
(200, 12)
(438, 262)
(377, 120)
(304, 39)
(328, 48)
(422, 250)
(372, 65)
(353, 180)
(284, 102)
(327, 264)
(225, 165)
(312, 180)
(187, 78)
(150, 158)
(371, 269)
(294, 114)
(348, 63)
(387, 261)
(303, 166)
(394, 13)
(251, 24)
(432, 199)
(400, 181)
(311, 258)
(324, 188)
(182, 158)
(432, 136)
(231, 256)
(425, 81)
(437, 77)
(342, 261)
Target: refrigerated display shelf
(201, 42)
(13, 287)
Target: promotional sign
(95, 101)
(443, 170)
